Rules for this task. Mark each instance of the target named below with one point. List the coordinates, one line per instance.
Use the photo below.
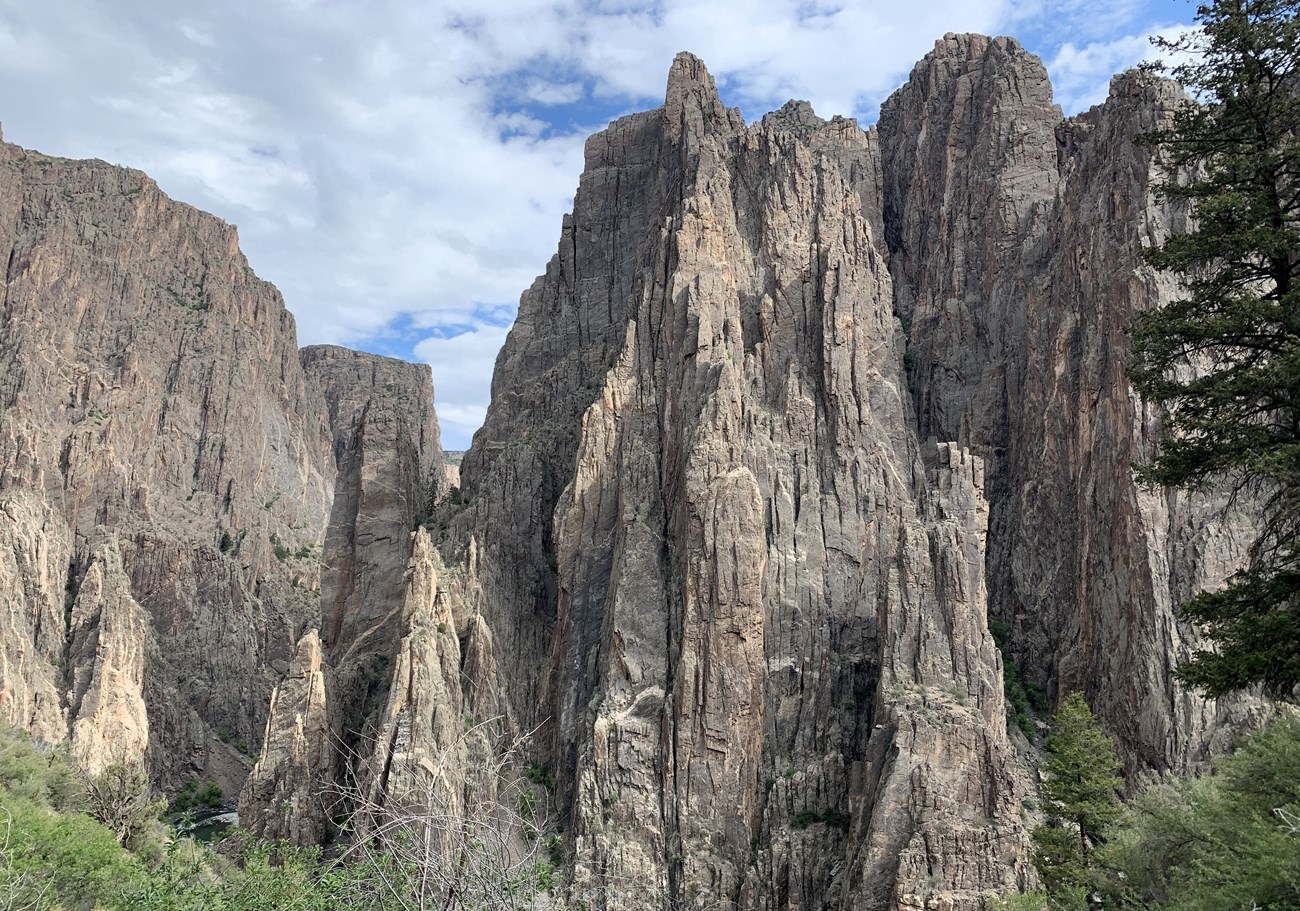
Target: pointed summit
(691, 104)
(689, 70)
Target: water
(211, 827)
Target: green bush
(1220, 842)
(41, 775)
(540, 775)
(62, 860)
(1025, 699)
(806, 818)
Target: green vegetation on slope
(69, 842)
(1226, 841)
(1235, 419)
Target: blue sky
(400, 169)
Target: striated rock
(1093, 565)
(701, 565)
(35, 556)
(389, 468)
(287, 796)
(420, 758)
(108, 635)
(349, 379)
(753, 594)
(168, 472)
(1016, 244)
(151, 395)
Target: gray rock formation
(156, 434)
(794, 408)
(1016, 245)
(756, 619)
(750, 616)
(167, 474)
(389, 461)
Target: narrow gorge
(796, 409)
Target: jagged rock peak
(998, 70)
(689, 71)
(972, 46)
(793, 116)
(692, 107)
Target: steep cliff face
(329, 722)
(168, 472)
(793, 409)
(970, 163)
(389, 464)
(1016, 244)
(701, 516)
(756, 617)
(156, 436)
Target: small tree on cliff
(1080, 780)
(1225, 359)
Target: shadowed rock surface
(1016, 242)
(794, 409)
(165, 469)
(756, 617)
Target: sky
(400, 168)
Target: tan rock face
(421, 752)
(768, 676)
(700, 558)
(168, 473)
(35, 554)
(1016, 242)
(289, 795)
(158, 435)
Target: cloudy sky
(400, 169)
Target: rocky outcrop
(288, 795)
(389, 470)
(794, 408)
(389, 467)
(420, 759)
(348, 380)
(106, 661)
(168, 474)
(757, 620)
(1016, 245)
(749, 605)
(156, 435)
(35, 560)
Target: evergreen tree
(1080, 781)
(1225, 359)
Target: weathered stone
(150, 395)
(700, 564)
(389, 466)
(167, 473)
(288, 795)
(752, 593)
(1016, 245)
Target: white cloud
(1081, 73)
(462, 369)
(407, 164)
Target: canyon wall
(793, 411)
(166, 471)
(1016, 243)
(703, 518)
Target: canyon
(795, 411)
